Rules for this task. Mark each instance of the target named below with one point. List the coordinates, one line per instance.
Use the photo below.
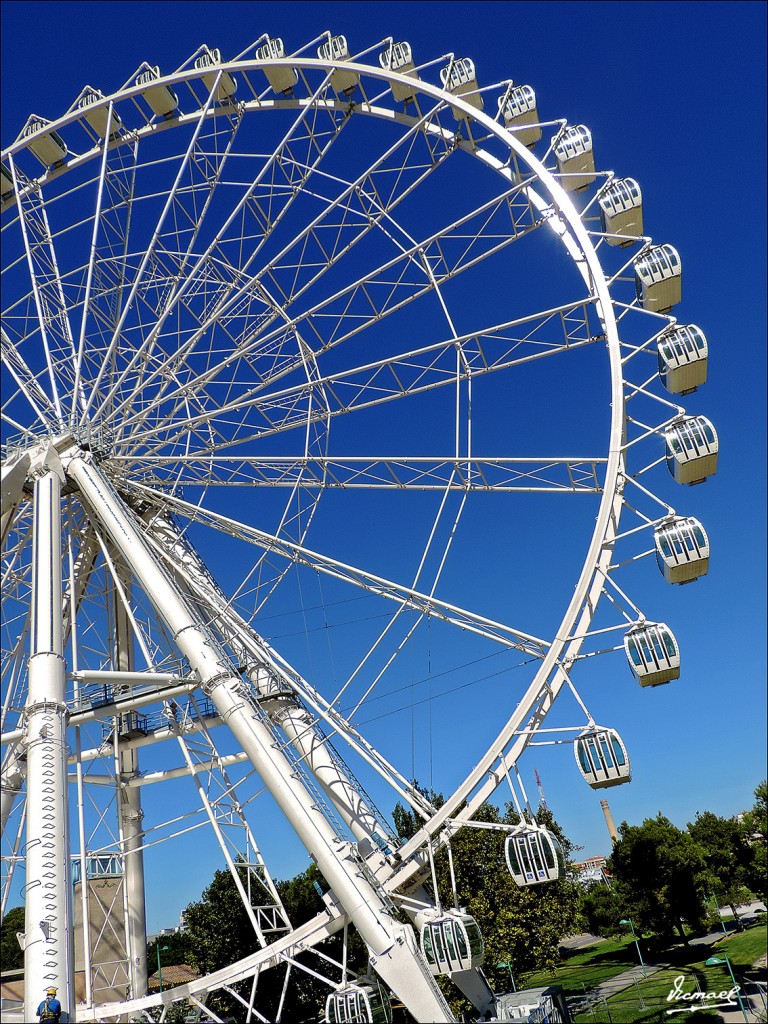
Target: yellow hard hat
(51, 991)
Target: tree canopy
(658, 872)
(11, 953)
(727, 853)
(755, 825)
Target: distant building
(591, 870)
(177, 974)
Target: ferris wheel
(318, 365)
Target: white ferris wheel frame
(565, 221)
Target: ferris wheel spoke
(503, 346)
(360, 578)
(357, 210)
(175, 261)
(48, 292)
(149, 254)
(89, 282)
(464, 474)
(476, 235)
(240, 636)
(28, 385)
(512, 207)
(215, 269)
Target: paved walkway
(580, 941)
(612, 986)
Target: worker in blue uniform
(50, 1008)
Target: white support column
(279, 701)
(394, 952)
(129, 807)
(48, 946)
(297, 724)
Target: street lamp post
(159, 968)
(713, 961)
(508, 965)
(628, 920)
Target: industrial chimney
(609, 821)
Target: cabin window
(448, 932)
(428, 951)
(514, 860)
(634, 653)
(475, 939)
(549, 857)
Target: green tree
(174, 949)
(659, 873)
(728, 856)
(217, 926)
(755, 826)
(11, 953)
(601, 909)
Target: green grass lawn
(743, 948)
(646, 1002)
(589, 967)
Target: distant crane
(542, 800)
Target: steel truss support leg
(48, 946)
(129, 809)
(392, 945)
(296, 722)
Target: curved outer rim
(565, 221)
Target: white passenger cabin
(602, 758)
(518, 108)
(621, 211)
(692, 447)
(658, 278)
(652, 653)
(683, 359)
(335, 49)
(534, 856)
(682, 549)
(359, 1002)
(575, 158)
(227, 83)
(161, 99)
(451, 941)
(49, 147)
(459, 79)
(398, 57)
(282, 80)
(97, 117)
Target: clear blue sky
(674, 94)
